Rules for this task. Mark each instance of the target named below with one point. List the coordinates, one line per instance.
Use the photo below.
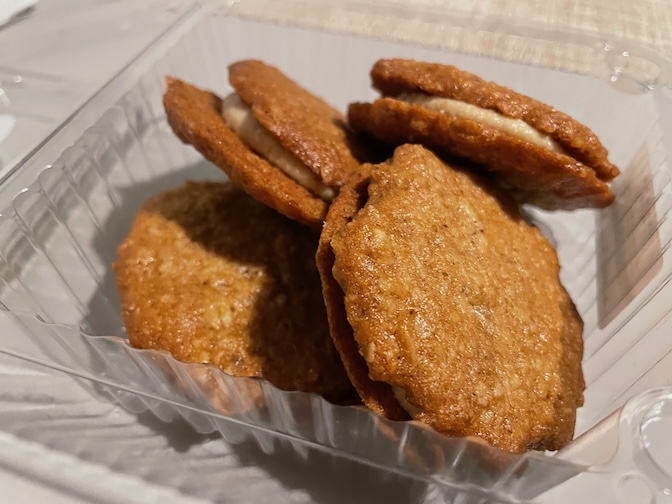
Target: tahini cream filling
(515, 127)
(400, 395)
(239, 118)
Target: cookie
(284, 146)
(455, 304)
(306, 126)
(211, 275)
(542, 155)
(377, 395)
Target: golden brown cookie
(211, 275)
(543, 155)
(375, 394)
(455, 303)
(308, 127)
(195, 117)
(285, 146)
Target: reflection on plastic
(644, 450)
(655, 429)
(7, 122)
(628, 245)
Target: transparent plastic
(40, 89)
(58, 240)
(61, 434)
(27, 112)
(71, 435)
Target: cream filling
(239, 118)
(515, 127)
(400, 395)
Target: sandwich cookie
(283, 145)
(446, 306)
(542, 155)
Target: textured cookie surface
(211, 275)
(308, 127)
(572, 178)
(195, 117)
(377, 395)
(392, 76)
(455, 302)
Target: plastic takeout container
(58, 239)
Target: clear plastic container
(58, 239)
(40, 89)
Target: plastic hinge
(637, 68)
(639, 467)
(642, 466)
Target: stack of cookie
(415, 282)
